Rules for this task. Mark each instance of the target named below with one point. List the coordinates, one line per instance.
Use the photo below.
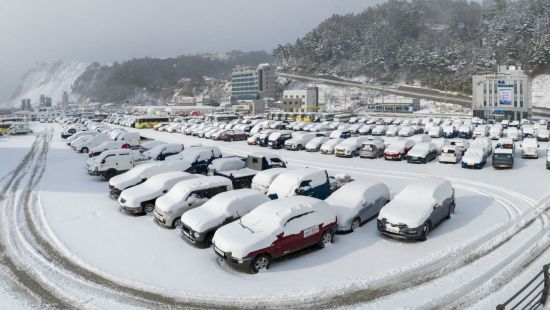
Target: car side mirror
(279, 236)
(102, 161)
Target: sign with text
(505, 93)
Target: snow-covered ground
(80, 219)
(541, 91)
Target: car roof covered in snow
(182, 189)
(228, 163)
(265, 177)
(286, 182)
(356, 192)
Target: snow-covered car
(186, 195)
(548, 160)
(465, 131)
(392, 131)
(417, 209)
(84, 144)
(298, 141)
(274, 229)
(140, 199)
(513, 133)
(350, 147)
(199, 157)
(328, 147)
(80, 134)
(481, 131)
(372, 149)
(142, 173)
(263, 179)
(422, 153)
(340, 134)
(435, 132)
(398, 150)
(200, 224)
(226, 164)
(487, 144)
(160, 152)
(474, 157)
(277, 139)
(406, 131)
(107, 145)
(252, 139)
(315, 144)
(304, 182)
(113, 162)
(379, 130)
(462, 143)
(233, 135)
(146, 146)
(357, 202)
(529, 148)
(543, 135)
(495, 132)
(449, 131)
(451, 154)
(365, 129)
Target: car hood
(418, 153)
(240, 241)
(472, 158)
(412, 214)
(201, 219)
(134, 196)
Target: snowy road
(71, 240)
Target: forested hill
(436, 42)
(157, 78)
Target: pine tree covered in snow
(440, 43)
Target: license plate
(392, 229)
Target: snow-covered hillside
(541, 91)
(49, 79)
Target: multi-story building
(301, 100)
(502, 95)
(253, 83)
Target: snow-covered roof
(355, 193)
(267, 176)
(285, 184)
(229, 163)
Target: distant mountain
(50, 79)
(139, 79)
(439, 43)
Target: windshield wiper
(241, 222)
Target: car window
(296, 224)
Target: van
(303, 182)
(263, 179)
(187, 195)
(112, 162)
(19, 129)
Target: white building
(253, 83)
(504, 95)
(301, 100)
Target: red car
(398, 150)
(274, 229)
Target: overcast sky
(108, 30)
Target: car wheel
(148, 208)
(300, 147)
(260, 262)
(326, 239)
(356, 223)
(176, 223)
(109, 175)
(425, 232)
(84, 150)
(353, 154)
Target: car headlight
(196, 234)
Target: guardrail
(533, 295)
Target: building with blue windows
(253, 83)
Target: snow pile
(541, 91)
(49, 79)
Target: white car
(513, 133)
(226, 164)
(406, 132)
(417, 209)
(263, 179)
(107, 145)
(328, 147)
(543, 135)
(314, 145)
(365, 129)
(357, 202)
(141, 198)
(146, 146)
(274, 229)
(450, 154)
(200, 224)
(84, 144)
(495, 132)
(481, 131)
(379, 130)
(298, 141)
(392, 131)
(142, 173)
(462, 143)
(186, 195)
(350, 147)
(530, 148)
(436, 132)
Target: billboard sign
(505, 93)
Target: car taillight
(125, 146)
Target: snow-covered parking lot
(478, 258)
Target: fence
(533, 295)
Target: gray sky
(108, 30)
